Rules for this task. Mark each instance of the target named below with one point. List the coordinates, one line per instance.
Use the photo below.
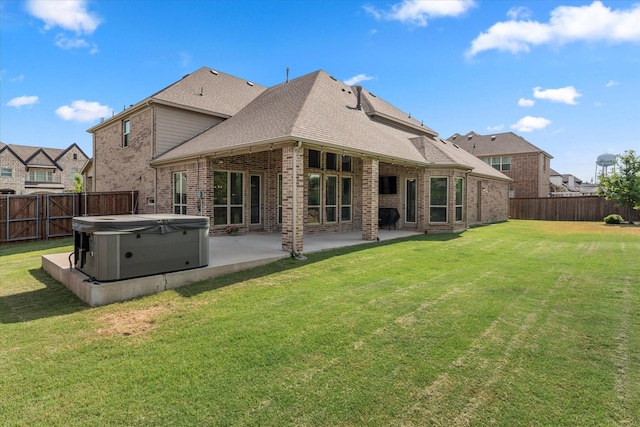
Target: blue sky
(565, 75)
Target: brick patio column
(289, 153)
(370, 168)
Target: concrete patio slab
(227, 254)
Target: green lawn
(523, 323)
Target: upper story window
(75, 156)
(41, 175)
(499, 163)
(74, 171)
(126, 129)
(8, 172)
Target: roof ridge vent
(493, 137)
(214, 72)
(250, 83)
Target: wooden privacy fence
(587, 208)
(43, 216)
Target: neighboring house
(565, 183)
(514, 156)
(311, 155)
(27, 170)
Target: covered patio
(227, 254)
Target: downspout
(155, 190)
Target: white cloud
(70, 15)
(529, 124)
(523, 102)
(611, 83)
(75, 43)
(83, 111)
(357, 79)
(519, 12)
(418, 12)
(567, 24)
(21, 101)
(566, 95)
(495, 128)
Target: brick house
(311, 155)
(514, 156)
(28, 170)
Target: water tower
(604, 161)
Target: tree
(623, 185)
(78, 183)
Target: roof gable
(495, 144)
(41, 158)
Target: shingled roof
(205, 90)
(498, 144)
(318, 109)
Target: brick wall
(119, 168)
(18, 172)
(67, 163)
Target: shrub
(613, 219)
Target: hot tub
(117, 247)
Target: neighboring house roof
(38, 156)
(205, 90)
(498, 144)
(318, 109)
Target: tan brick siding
(119, 168)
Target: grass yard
(523, 323)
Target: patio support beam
(292, 207)
(370, 171)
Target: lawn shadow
(25, 246)
(207, 285)
(52, 300)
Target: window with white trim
(459, 199)
(502, 164)
(438, 188)
(228, 197)
(346, 199)
(346, 164)
(314, 199)
(6, 172)
(315, 159)
(40, 175)
(331, 162)
(126, 130)
(331, 198)
(180, 193)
